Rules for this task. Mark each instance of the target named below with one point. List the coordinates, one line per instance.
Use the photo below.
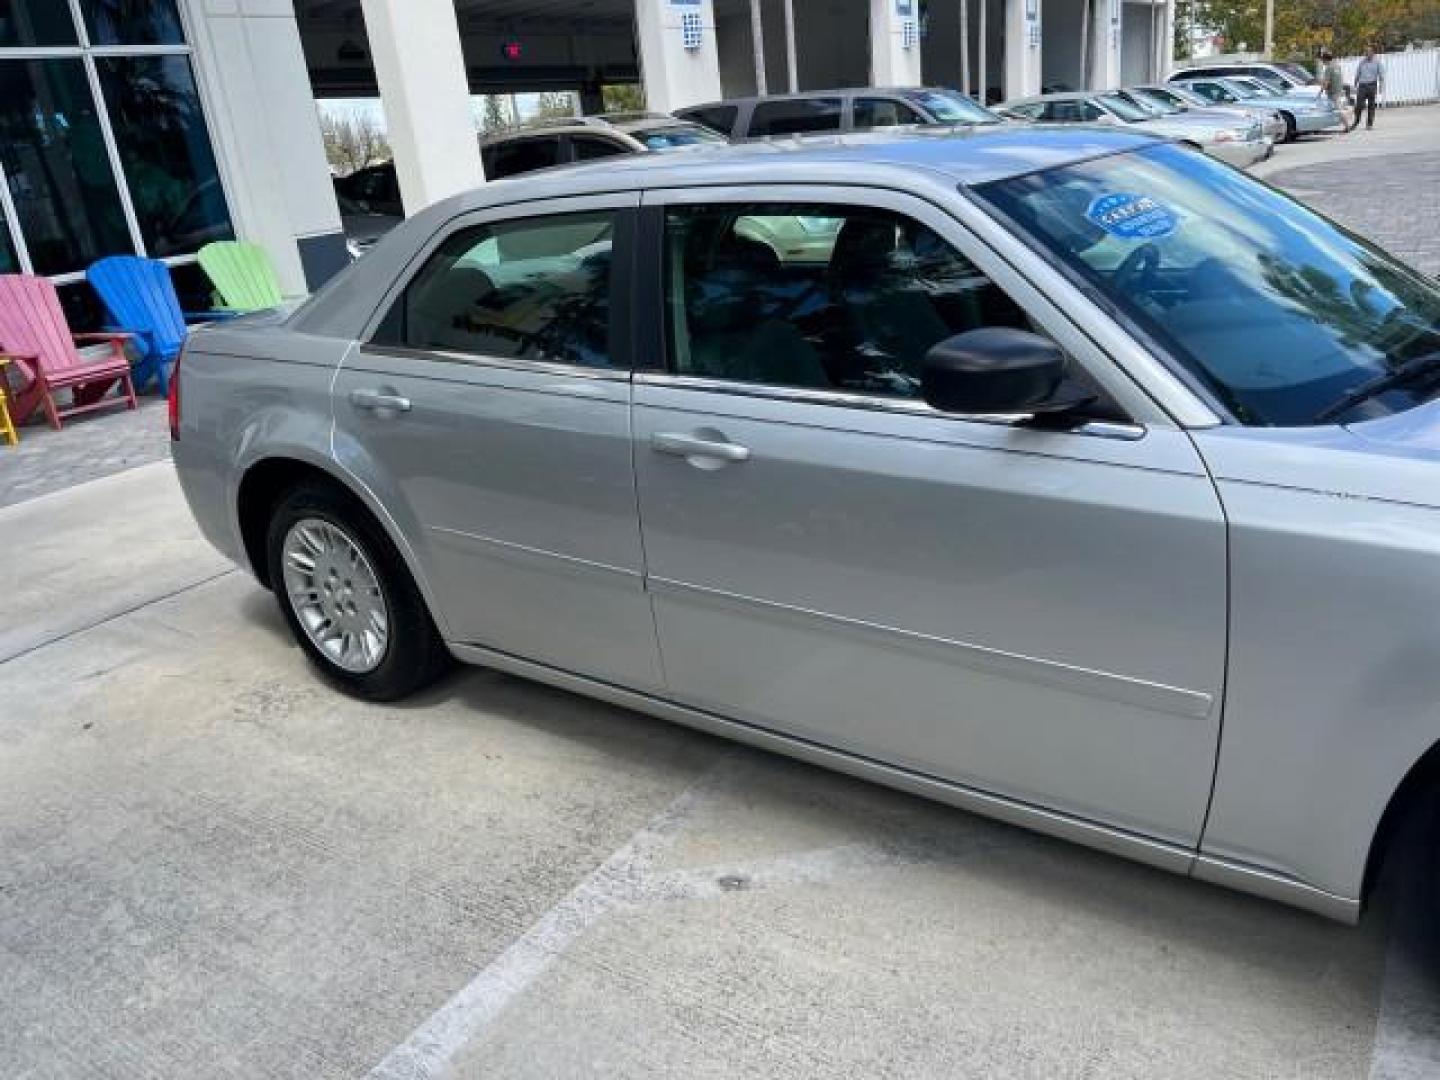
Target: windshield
(1240, 88)
(952, 108)
(1296, 71)
(1273, 309)
(675, 136)
(1126, 110)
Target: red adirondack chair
(35, 335)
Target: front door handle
(691, 446)
(379, 401)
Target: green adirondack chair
(242, 275)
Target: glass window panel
(131, 22)
(35, 22)
(9, 261)
(60, 176)
(165, 150)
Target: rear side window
(719, 118)
(520, 156)
(591, 147)
(883, 112)
(795, 116)
(1069, 112)
(534, 289)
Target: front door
(489, 413)
(1036, 614)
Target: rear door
(1037, 614)
(489, 412)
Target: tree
(623, 97)
(1304, 27)
(493, 117)
(352, 142)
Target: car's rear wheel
(347, 596)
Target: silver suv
(1010, 466)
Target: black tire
(414, 655)
(1290, 133)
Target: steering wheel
(1132, 274)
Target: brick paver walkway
(1390, 199)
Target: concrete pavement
(217, 867)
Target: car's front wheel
(348, 597)
(1290, 132)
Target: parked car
(588, 138)
(370, 202)
(1075, 444)
(1240, 141)
(1283, 77)
(863, 109)
(1174, 98)
(1305, 112)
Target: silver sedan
(1062, 474)
(1240, 141)
(1172, 98)
(1305, 112)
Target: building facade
(156, 126)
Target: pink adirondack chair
(35, 335)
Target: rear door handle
(690, 446)
(379, 401)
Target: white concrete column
(1105, 41)
(1022, 48)
(426, 94)
(676, 75)
(895, 43)
(1167, 40)
(266, 134)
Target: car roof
(802, 95)
(923, 160)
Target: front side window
(165, 151)
(882, 113)
(676, 137)
(1213, 92)
(795, 116)
(1280, 314)
(1123, 108)
(536, 289)
(822, 297)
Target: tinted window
(794, 117)
(591, 147)
(54, 155)
(35, 22)
(719, 118)
(536, 289)
(1070, 112)
(1212, 91)
(818, 296)
(1278, 312)
(883, 112)
(165, 150)
(521, 156)
(132, 22)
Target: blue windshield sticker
(1132, 217)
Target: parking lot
(214, 866)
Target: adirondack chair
(141, 300)
(38, 342)
(242, 275)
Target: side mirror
(996, 371)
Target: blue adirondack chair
(141, 300)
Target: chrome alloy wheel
(336, 596)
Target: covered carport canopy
(509, 46)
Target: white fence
(1411, 78)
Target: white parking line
(619, 880)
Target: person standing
(1369, 80)
(1332, 82)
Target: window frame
(87, 53)
(650, 334)
(622, 292)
